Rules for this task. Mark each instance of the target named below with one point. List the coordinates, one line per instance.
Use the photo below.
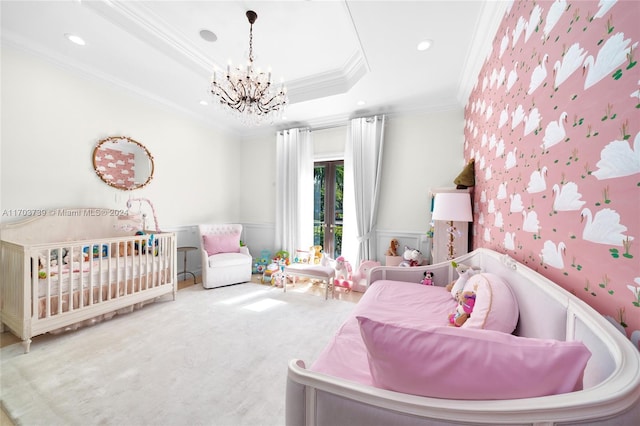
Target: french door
(328, 178)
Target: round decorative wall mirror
(123, 163)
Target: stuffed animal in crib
(77, 256)
(411, 257)
(466, 302)
(393, 248)
(464, 273)
(428, 278)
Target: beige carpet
(212, 357)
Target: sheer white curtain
(294, 190)
(362, 174)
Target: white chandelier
(247, 91)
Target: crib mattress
(400, 303)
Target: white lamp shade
(453, 206)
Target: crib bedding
(403, 304)
(98, 272)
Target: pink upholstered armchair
(224, 261)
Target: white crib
(78, 267)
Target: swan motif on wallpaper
(487, 235)
(498, 221)
(491, 207)
(537, 182)
(604, 228)
(516, 205)
(539, 74)
(553, 16)
(488, 173)
(571, 61)
(532, 122)
(530, 221)
(500, 148)
(502, 191)
(610, 56)
(567, 197)
(517, 116)
(534, 21)
(513, 76)
(504, 116)
(605, 5)
(517, 31)
(511, 162)
(483, 196)
(552, 255)
(500, 77)
(504, 43)
(489, 112)
(492, 142)
(618, 159)
(481, 218)
(554, 132)
(509, 240)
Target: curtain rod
(333, 125)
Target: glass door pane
(328, 215)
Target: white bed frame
(611, 394)
(36, 300)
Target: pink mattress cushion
(470, 364)
(496, 307)
(225, 243)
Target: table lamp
(452, 207)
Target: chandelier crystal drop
(247, 92)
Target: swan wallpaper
(553, 124)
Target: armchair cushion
(221, 243)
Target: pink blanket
(400, 303)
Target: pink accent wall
(553, 124)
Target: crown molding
(483, 36)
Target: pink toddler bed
(387, 362)
(400, 303)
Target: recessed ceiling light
(204, 103)
(425, 44)
(75, 39)
(208, 35)
(360, 103)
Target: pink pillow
(459, 363)
(496, 307)
(226, 243)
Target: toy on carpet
(393, 248)
(466, 302)
(464, 273)
(343, 274)
(260, 263)
(411, 257)
(428, 278)
(269, 271)
(359, 278)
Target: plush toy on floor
(342, 277)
